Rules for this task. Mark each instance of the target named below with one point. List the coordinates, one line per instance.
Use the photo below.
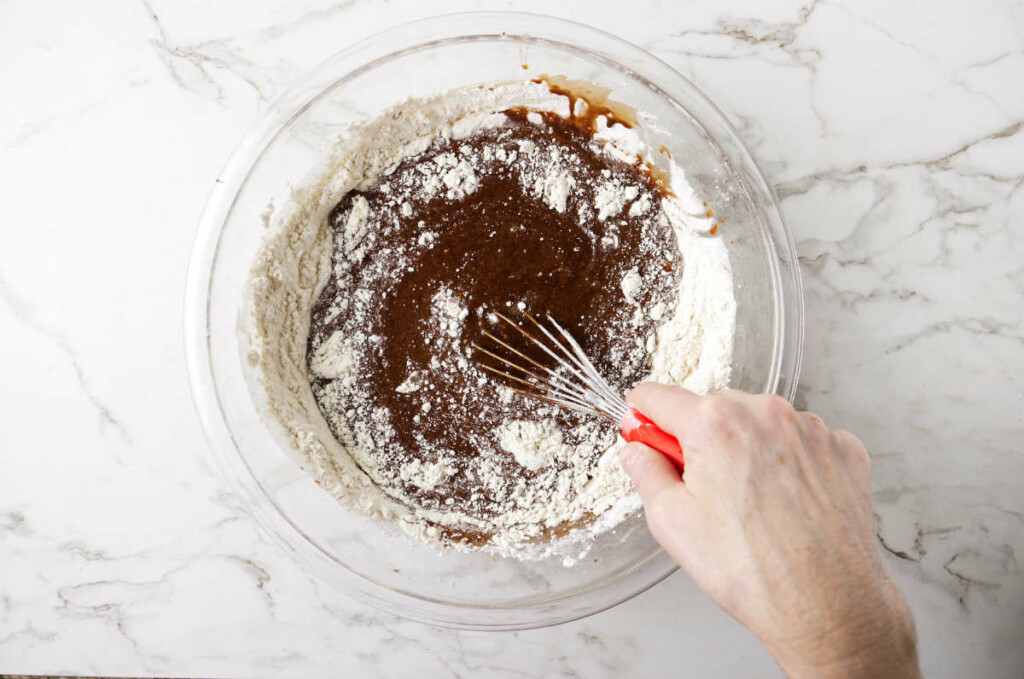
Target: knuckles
(776, 414)
(813, 421)
(814, 428)
(853, 448)
(776, 407)
(725, 418)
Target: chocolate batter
(497, 246)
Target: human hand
(773, 519)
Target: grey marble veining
(893, 132)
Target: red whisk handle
(638, 427)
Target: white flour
(533, 444)
(692, 345)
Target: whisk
(574, 384)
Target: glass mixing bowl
(289, 143)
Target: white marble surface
(894, 131)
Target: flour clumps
(533, 444)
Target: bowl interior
(290, 147)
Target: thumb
(650, 471)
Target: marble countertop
(893, 131)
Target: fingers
(855, 451)
(670, 407)
(651, 472)
(813, 429)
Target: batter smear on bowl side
(495, 199)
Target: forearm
(883, 646)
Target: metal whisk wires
(572, 383)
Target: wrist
(880, 643)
